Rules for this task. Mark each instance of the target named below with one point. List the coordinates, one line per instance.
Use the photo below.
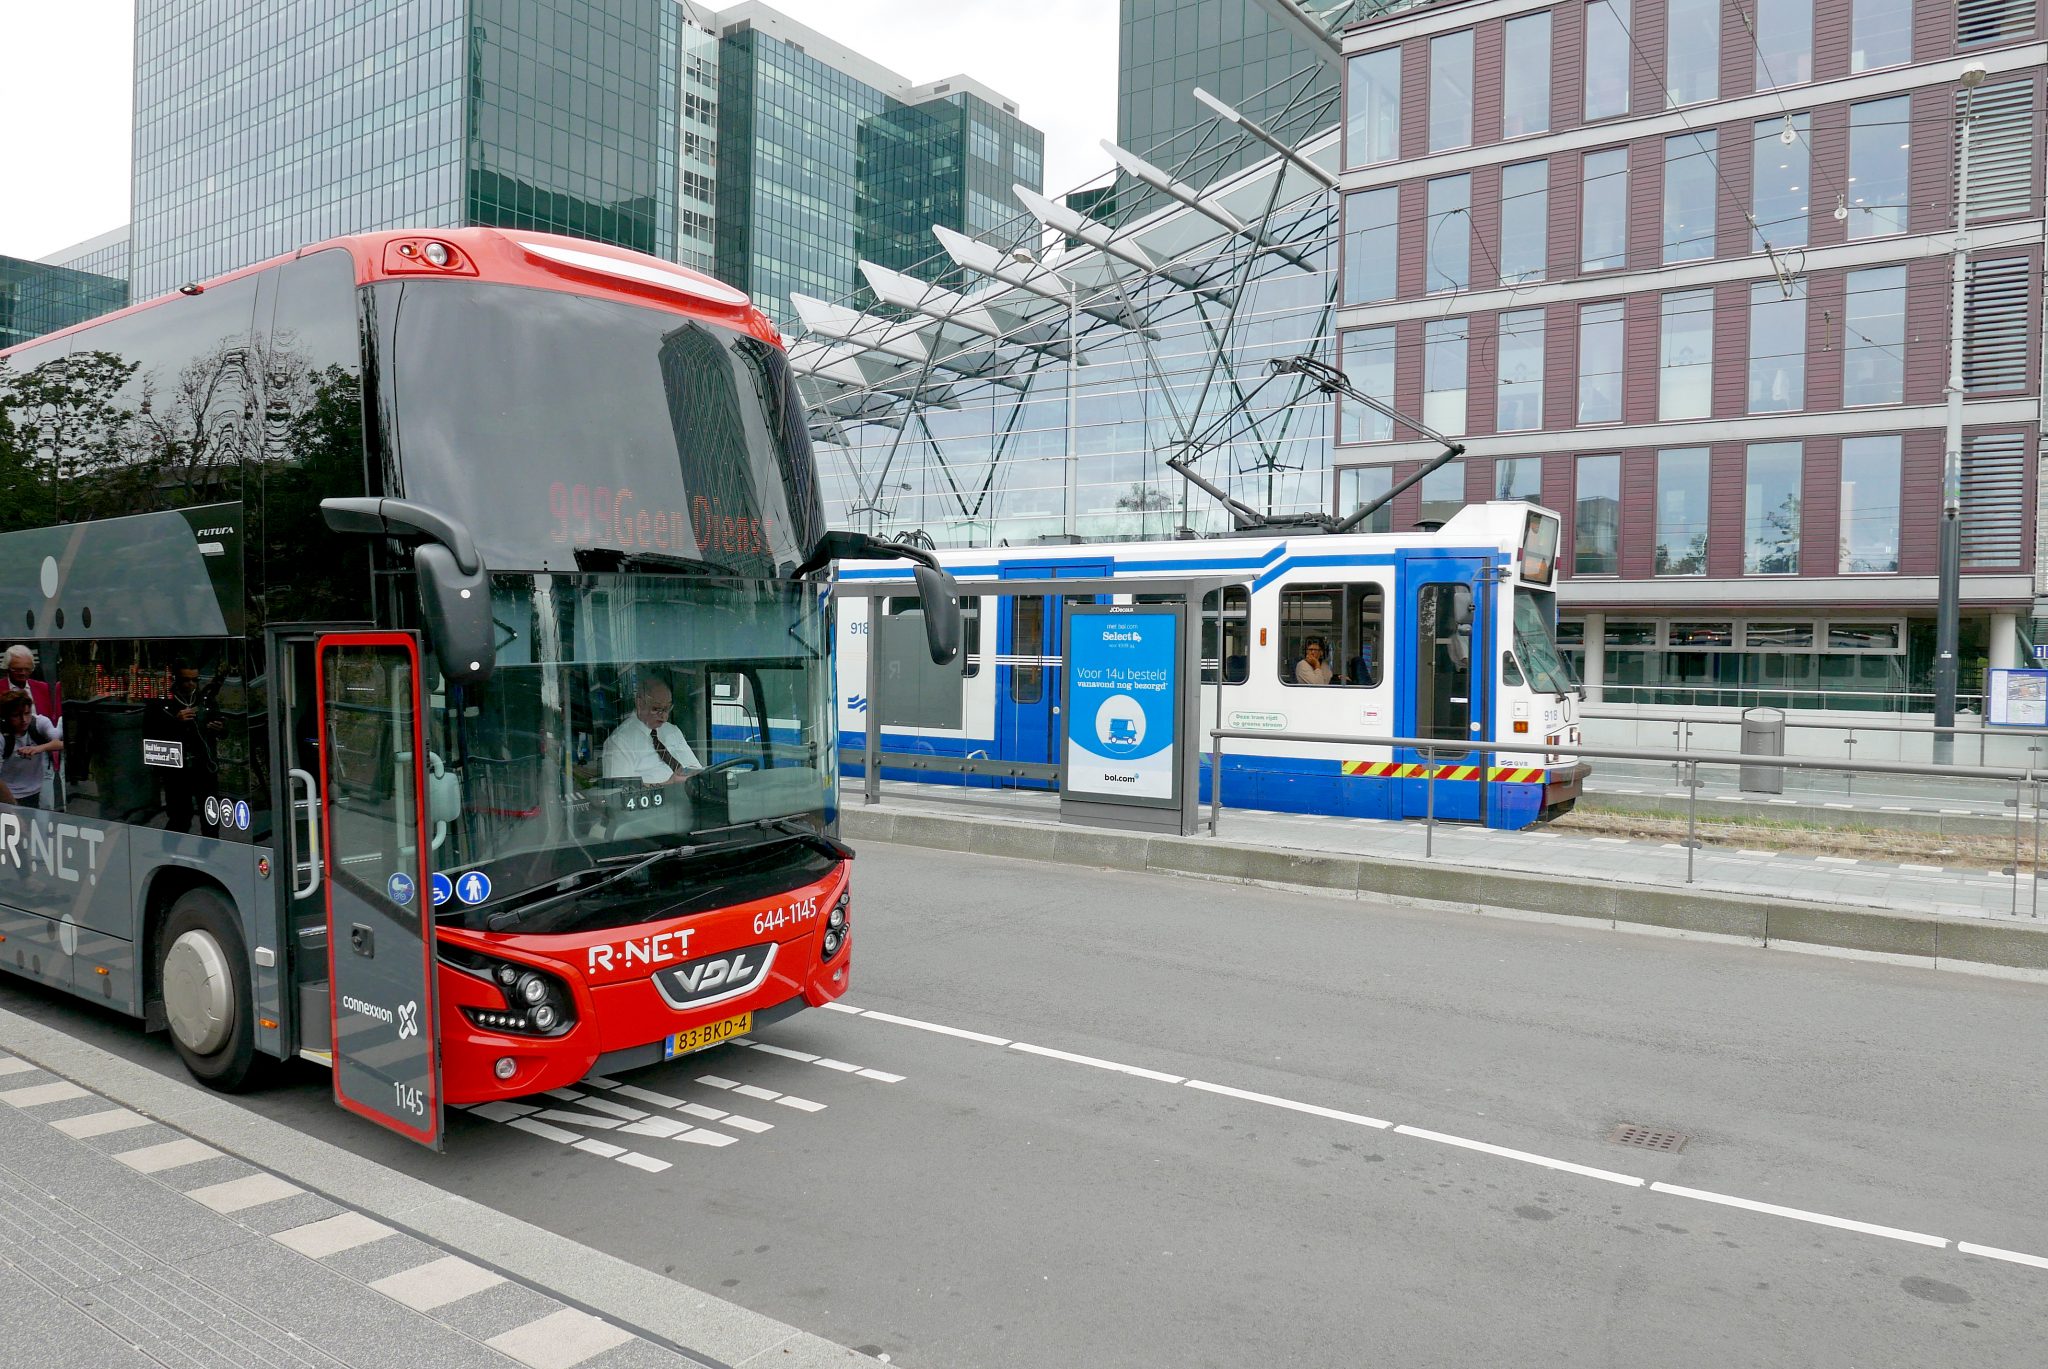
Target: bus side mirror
(939, 595)
(457, 609)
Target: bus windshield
(634, 431)
(1536, 648)
(631, 714)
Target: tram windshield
(1536, 647)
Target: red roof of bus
(547, 261)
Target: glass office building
(38, 298)
(265, 124)
(826, 159)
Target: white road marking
(756, 1091)
(882, 1075)
(543, 1129)
(560, 1340)
(605, 1105)
(580, 1119)
(663, 1127)
(1835, 860)
(1524, 1156)
(1314, 1110)
(1610, 841)
(746, 1123)
(1991, 1252)
(660, 1100)
(437, 1283)
(1889, 809)
(250, 1191)
(63, 1091)
(783, 1051)
(502, 1111)
(1923, 869)
(1090, 1060)
(1844, 806)
(839, 1065)
(715, 1082)
(1800, 1215)
(604, 1148)
(566, 1095)
(646, 1162)
(699, 1110)
(1760, 855)
(983, 1037)
(598, 1081)
(100, 1123)
(169, 1155)
(332, 1235)
(800, 1104)
(844, 1007)
(707, 1138)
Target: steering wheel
(698, 786)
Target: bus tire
(202, 973)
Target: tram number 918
(653, 799)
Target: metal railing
(1434, 749)
(1683, 724)
(1901, 701)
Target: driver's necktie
(666, 759)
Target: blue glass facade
(265, 124)
(37, 298)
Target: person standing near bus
(25, 738)
(49, 700)
(180, 718)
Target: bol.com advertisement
(1120, 704)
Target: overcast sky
(70, 89)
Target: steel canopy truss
(1181, 272)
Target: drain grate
(1648, 1138)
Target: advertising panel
(1123, 690)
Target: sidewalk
(129, 1243)
(1911, 888)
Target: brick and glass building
(1680, 270)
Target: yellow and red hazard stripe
(1400, 770)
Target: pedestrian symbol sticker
(242, 814)
(212, 811)
(400, 888)
(473, 888)
(441, 889)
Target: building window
(1450, 91)
(1518, 394)
(1369, 366)
(1783, 32)
(1603, 210)
(1874, 336)
(1870, 506)
(1596, 516)
(1370, 240)
(1600, 358)
(1778, 184)
(1995, 331)
(2002, 138)
(1880, 139)
(1682, 511)
(1880, 34)
(1525, 76)
(1443, 492)
(1992, 21)
(1448, 226)
(1443, 375)
(1777, 347)
(1372, 108)
(1518, 477)
(1692, 50)
(1607, 59)
(1358, 486)
(1524, 221)
(1689, 179)
(1770, 509)
(1685, 355)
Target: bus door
(376, 882)
(1030, 629)
(1442, 687)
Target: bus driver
(647, 746)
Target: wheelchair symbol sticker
(473, 888)
(441, 889)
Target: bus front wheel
(203, 972)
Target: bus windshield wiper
(519, 912)
(796, 831)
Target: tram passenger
(1313, 668)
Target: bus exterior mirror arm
(939, 592)
(454, 584)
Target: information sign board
(2016, 698)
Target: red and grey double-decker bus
(437, 628)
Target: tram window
(1350, 623)
(970, 627)
(1027, 642)
(1443, 662)
(1226, 644)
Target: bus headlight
(534, 1003)
(836, 927)
(532, 988)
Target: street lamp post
(1948, 604)
(1070, 519)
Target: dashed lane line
(1464, 1143)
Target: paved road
(968, 1203)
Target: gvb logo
(857, 703)
(408, 1020)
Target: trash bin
(1763, 734)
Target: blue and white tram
(1443, 635)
